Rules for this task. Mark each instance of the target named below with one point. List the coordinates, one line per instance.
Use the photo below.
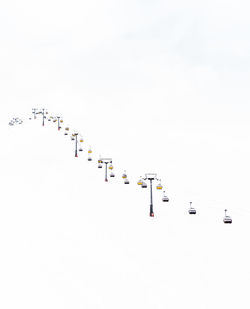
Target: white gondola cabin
(165, 198)
(227, 219)
(191, 211)
(144, 185)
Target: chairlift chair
(99, 165)
(126, 181)
(112, 174)
(159, 186)
(124, 175)
(139, 182)
(111, 167)
(89, 159)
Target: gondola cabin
(165, 198)
(144, 185)
(227, 219)
(192, 211)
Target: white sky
(160, 87)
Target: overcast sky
(159, 86)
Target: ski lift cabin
(191, 211)
(227, 219)
(144, 185)
(165, 198)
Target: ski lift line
(148, 176)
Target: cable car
(191, 211)
(111, 167)
(112, 174)
(227, 219)
(89, 151)
(159, 186)
(89, 159)
(126, 181)
(124, 175)
(165, 198)
(144, 185)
